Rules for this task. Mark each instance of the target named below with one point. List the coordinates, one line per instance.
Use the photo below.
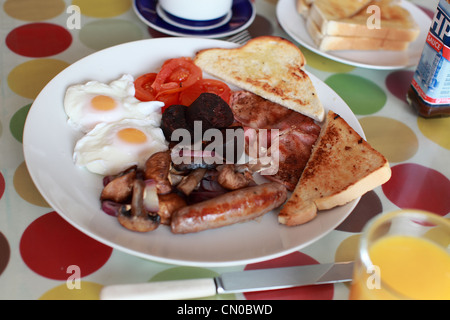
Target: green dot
(17, 122)
(322, 63)
(106, 33)
(182, 273)
(362, 95)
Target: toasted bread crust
(342, 167)
(268, 66)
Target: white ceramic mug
(197, 10)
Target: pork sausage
(232, 207)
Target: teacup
(197, 10)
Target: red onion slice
(151, 201)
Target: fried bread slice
(342, 167)
(269, 66)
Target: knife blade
(233, 282)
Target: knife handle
(161, 290)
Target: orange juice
(408, 268)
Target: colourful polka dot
(103, 8)
(394, 139)
(436, 129)
(427, 11)
(321, 63)
(358, 100)
(38, 40)
(413, 186)
(17, 122)
(5, 253)
(29, 78)
(347, 249)
(439, 234)
(26, 188)
(368, 207)
(260, 26)
(86, 291)
(316, 292)
(32, 10)
(2, 185)
(398, 83)
(50, 245)
(181, 273)
(102, 34)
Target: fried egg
(94, 102)
(111, 148)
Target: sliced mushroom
(134, 217)
(191, 181)
(234, 177)
(168, 204)
(120, 188)
(157, 168)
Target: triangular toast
(268, 66)
(342, 167)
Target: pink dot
(38, 40)
(427, 11)
(413, 186)
(2, 185)
(50, 245)
(398, 83)
(315, 292)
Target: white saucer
(241, 17)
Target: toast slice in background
(331, 43)
(270, 67)
(396, 22)
(338, 9)
(342, 167)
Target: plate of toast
(381, 34)
(341, 166)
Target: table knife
(233, 282)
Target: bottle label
(432, 77)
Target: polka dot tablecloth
(43, 257)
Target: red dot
(314, 292)
(50, 245)
(5, 253)
(413, 186)
(38, 40)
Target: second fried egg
(111, 148)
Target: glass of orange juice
(403, 255)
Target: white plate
(74, 193)
(294, 25)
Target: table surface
(36, 243)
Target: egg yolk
(103, 103)
(132, 135)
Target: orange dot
(31, 10)
(26, 188)
(103, 8)
(103, 103)
(132, 135)
(29, 78)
